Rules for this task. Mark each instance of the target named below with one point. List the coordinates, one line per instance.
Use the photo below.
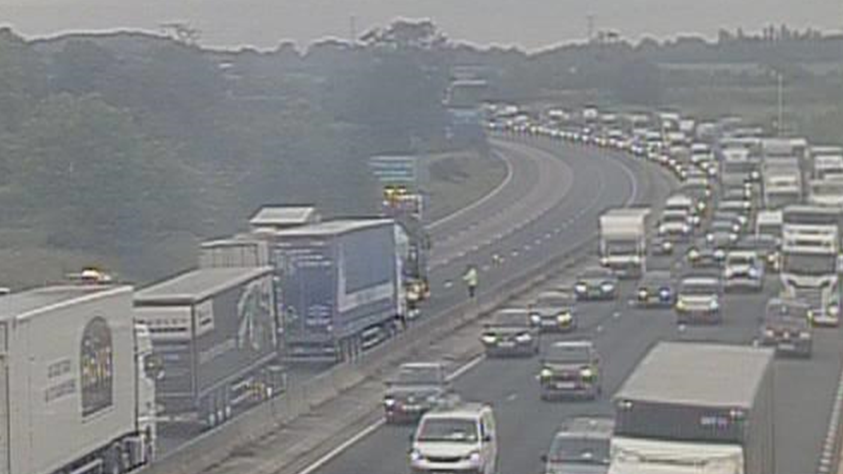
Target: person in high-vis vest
(470, 278)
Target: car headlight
(662, 229)
(693, 254)
(833, 309)
(636, 259)
(587, 373)
(685, 229)
(523, 337)
(804, 335)
(728, 273)
(546, 373)
(719, 254)
(733, 237)
(736, 228)
(607, 287)
(714, 305)
(667, 245)
(389, 402)
(681, 305)
(535, 319)
(604, 261)
(431, 399)
(753, 273)
(701, 206)
(664, 293)
(473, 457)
(416, 455)
(489, 338)
(564, 318)
(769, 333)
(642, 294)
(709, 237)
(581, 288)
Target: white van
(457, 439)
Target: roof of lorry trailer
(333, 227)
(25, 303)
(197, 285)
(283, 215)
(713, 375)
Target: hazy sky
(528, 23)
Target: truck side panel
(235, 331)
(71, 376)
(367, 288)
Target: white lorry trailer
(690, 408)
(810, 247)
(782, 182)
(76, 382)
(623, 240)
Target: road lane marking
(316, 465)
(330, 455)
(831, 440)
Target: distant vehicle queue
(748, 210)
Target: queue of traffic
(748, 211)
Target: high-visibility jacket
(470, 277)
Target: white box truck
(690, 408)
(623, 240)
(75, 392)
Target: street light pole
(780, 124)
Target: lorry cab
(456, 439)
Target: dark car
(570, 369)
(661, 245)
(699, 300)
(787, 327)
(765, 246)
(510, 332)
(554, 311)
(580, 446)
(656, 290)
(596, 283)
(418, 388)
(701, 254)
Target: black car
(701, 254)
(554, 311)
(656, 289)
(596, 283)
(787, 327)
(580, 446)
(570, 369)
(418, 388)
(766, 247)
(660, 245)
(510, 332)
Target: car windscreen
(448, 430)
(699, 287)
(580, 450)
(810, 264)
(567, 353)
(740, 259)
(554, 301)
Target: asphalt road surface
(804, 389)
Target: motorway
(805, 390)
(537, 210)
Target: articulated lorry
(339, 283)
(76, 382)
(691, 408)
(810, 247)
(623, 240)
(216, 331)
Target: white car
(460, 439)
(743, 270)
